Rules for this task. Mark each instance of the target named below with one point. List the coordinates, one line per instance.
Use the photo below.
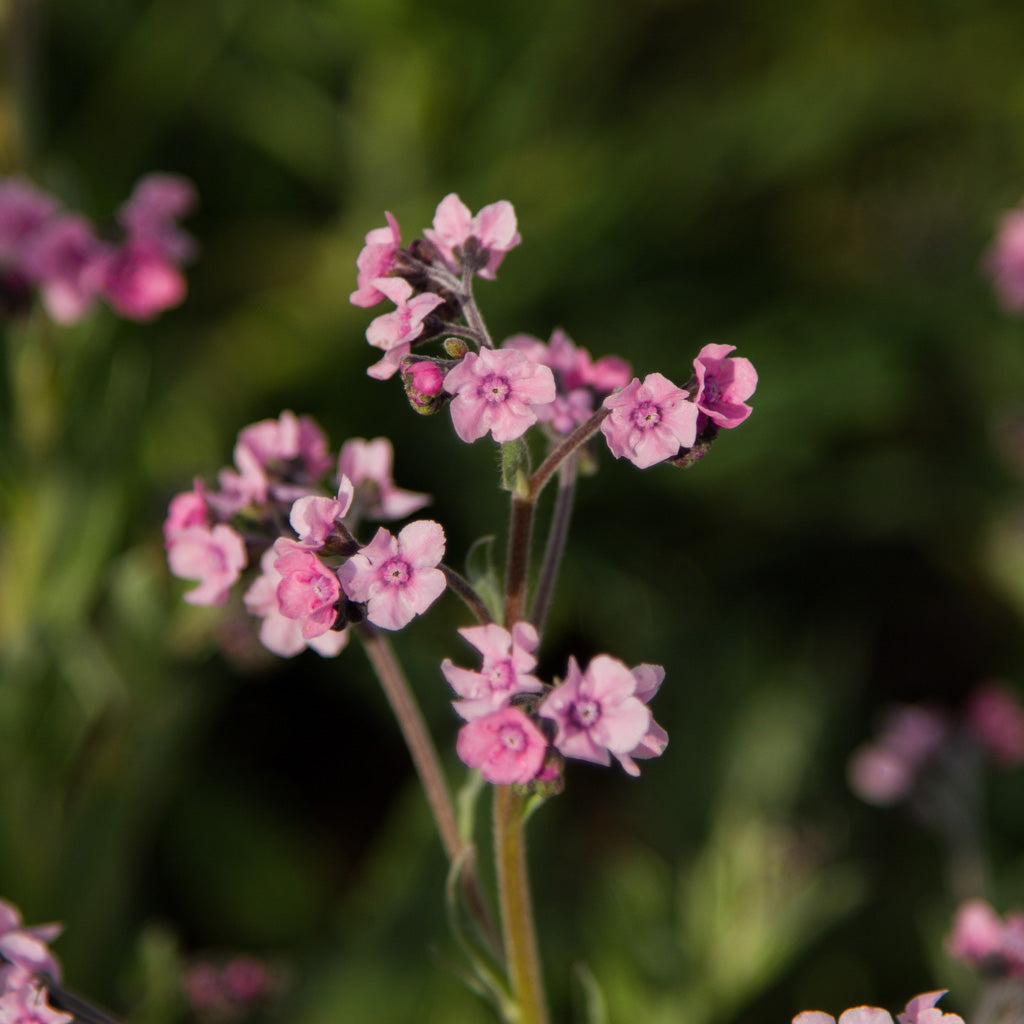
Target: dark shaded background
(814, 183)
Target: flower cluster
(915, 737)
(58, 254)
(314, 576)
(517, 726)
(920, 1010)
(506, 390)
(25, 964)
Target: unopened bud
(455, 347)
(424, 385)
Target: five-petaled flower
(397, 577)
(497, 390)
(505, 745)
(650, 421)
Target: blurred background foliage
(814, 183)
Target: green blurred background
(813, 182)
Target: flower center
(646, 415)
(585, 713)
(512, 738)
(501, 676)
(394, 572)
(711, 392)
(494, 388)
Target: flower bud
(424, 385)
(455, 347)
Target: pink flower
(278, 633)
(149, 215)
(723, 384)
(377, 259)
(508, 660)
(138, 280)
(995, 716)
(187, 509)
(60, 257)
(406, 322)
(23, 211)
(987, 942)
(214, 557)
(649, 422)
(497, 390)
(884, 772)
(25, 950)
(1004, 261)
(648, 680)
(493, 228)
(598, 713)
(397, 577)
(313, 517)
(308, 590)
(368, 465)
(26, 1004)
(920, 1010)
(505, 745)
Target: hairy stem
(428, 768)
(556, 542)
(521, 956)
(471, 311)
(583, 433)
(518, 561)
(459, 585)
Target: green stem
(459, 585)
(428, 768)
(518, 562)
(522, 960)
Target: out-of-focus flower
(1004, 261)
(368, 465)
(920, 1010)
(994, 715)
(988, 943)
(215, 557)
(376, 259)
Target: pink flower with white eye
(723, 385)
(23, 211)
(649, 422)
(308, 590)
(507, 662)
(377, 259)
(995, 716)
(314, 517)
(25, 950)
(26, 1004)
(150, 213)
(137, 280)
(368, 465)
(1004, 261)
(214, 557)
(505, 745)
(494, 229)
(60, 257)
(278, 633)
(187, 509)
(497, 390)
(598, 713)
(397, 577)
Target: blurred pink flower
(994, 715)
(988, 943)
(61, 258)
(138, 280)
(505, 745)
(314, 516)
(308, 590)
(150, 213)
(920, 1010)
(1004, 261)
(215, 557)
(368, 465)
(376, 259)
